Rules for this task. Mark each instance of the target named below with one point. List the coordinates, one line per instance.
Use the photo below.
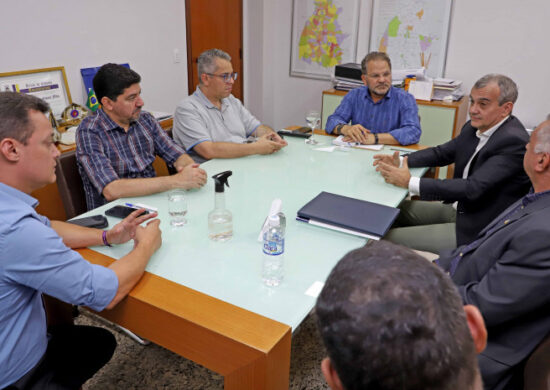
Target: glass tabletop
(231, 271)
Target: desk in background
(439, 121)
(48, 197)
(205, 300)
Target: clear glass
(313, 120)
(177, 207)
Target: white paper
(421, 90)
(339, 141)
(315, 289)
(328, 149)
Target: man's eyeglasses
(227, 77)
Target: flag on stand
(92, 103)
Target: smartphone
(94, 221)
(303, 132)
(121, 211)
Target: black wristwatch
(338, 129)
(375, 138)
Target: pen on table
(405, 151)
(142, 206)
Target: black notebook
(352, 214)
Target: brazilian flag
(92, 103)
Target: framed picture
(49, 84)
(413, 33)
(324, 34)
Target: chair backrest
(536, 374)
(70, 185)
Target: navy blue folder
(349, 213)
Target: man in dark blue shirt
(379, 113)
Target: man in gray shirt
(212, 123)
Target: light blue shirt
(396, 113)
(33, 259)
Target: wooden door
(214, 24)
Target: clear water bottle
(273, 251)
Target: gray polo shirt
(197, 120)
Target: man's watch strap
(375, 138)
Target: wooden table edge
(249, 350)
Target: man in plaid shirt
(116, 147)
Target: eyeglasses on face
(227, 77)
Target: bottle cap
(221, 179)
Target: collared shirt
(198, 120)
(396, 113)
(414, 182)
(105, 152)
(33, 259)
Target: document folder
(350, 215)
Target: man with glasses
(212, 123)
(379, 113)
(116, 147)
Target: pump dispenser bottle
(220, 220)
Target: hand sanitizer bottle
(220, 220)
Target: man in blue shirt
(116, 147)
(35, 258)
(379, 113)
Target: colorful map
(322, 36)
(414, 34)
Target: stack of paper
(339, 141)
(447, 89)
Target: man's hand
(394, 175)
(391, 159)
(264, 145)
(273, 136)
(355, 133)
(150, 236)
(190, 176)
(126, 229)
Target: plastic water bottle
(273, 252)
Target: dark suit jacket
(506, 274)
(496, 177)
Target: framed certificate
(49, 84)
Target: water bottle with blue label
(273, 251)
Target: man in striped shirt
(116, 147)
(379, 113)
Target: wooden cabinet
(439, 121)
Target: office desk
(205, 300)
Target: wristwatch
(375, 138)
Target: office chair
(71, 191)
(536, 374)
(69, 184)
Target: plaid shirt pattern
(105, 152)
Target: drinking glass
(313, 120)
(177, 207)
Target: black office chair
(536, 374)
(69, 184)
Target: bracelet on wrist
(104, 237)
(375, 138)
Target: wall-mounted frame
(324, 34)
(413, 33)
(49, 84)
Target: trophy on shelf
(73, 115)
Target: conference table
(205, 300)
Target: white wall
(485, 36)
(81, 34)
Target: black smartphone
(94, 221)
(303, 132)
(121, 211)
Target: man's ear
(477, 327)
(364, 78)
(332, 378)
(543, 162)
(508, 106)
(9, 149)
(106, 103)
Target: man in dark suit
(488, 175)
(505, 272)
